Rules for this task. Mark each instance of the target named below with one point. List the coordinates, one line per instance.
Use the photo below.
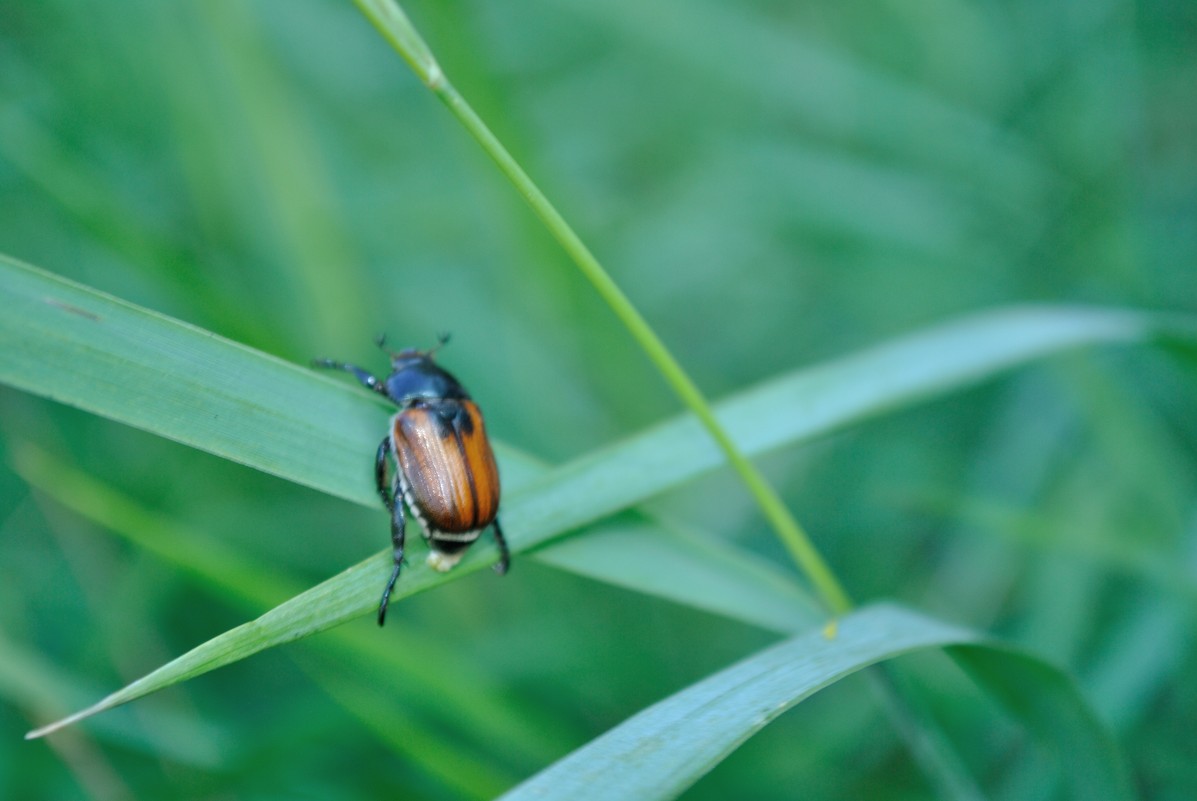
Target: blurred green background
(773, 183)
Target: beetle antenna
(381, 342)
(442, 339)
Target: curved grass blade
(31, 683)
(662, 750)
(86, 349)
(1049, 704)
(690, 569)
(90, 350)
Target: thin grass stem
(395, 27)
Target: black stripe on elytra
(468, 469)
(452, 418)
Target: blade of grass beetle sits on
(704, 574)
(699, 572)
(90, 350)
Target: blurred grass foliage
(816, 177)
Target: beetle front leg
(504, 555)
(398, 531)
(368, 381)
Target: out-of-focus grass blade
(87, 349)
(1049, 704)
(467, 769)
(664, 749)
(32, 683)
(691, 570)
(885, 106)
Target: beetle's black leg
(368, 380)
(504, 555)
(394, 505)
(380, 474)
(398, 529)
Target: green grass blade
(751, 44)
(664, 749)
(692, 570)
(87, 349)
(90, 350)
(1049, 704)
(33, 684)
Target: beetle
(445, 471)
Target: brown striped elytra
(452, 479)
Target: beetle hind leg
(504, 563)
(380, 474)
(398, 532)
(393, 501)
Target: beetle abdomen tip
(443, 562)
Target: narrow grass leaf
(90, 350)
(691, 570)
(33, 684)
(751, 45)
(468, 769)
(1048, 703)
(662, 750)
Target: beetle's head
(415, 376)
(401, 360)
